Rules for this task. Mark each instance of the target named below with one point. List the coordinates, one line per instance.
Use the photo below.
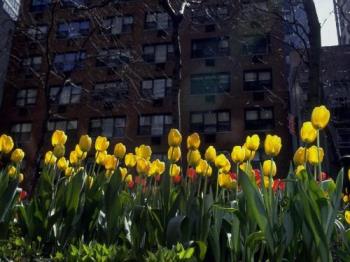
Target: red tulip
(23, 195)
(176, 179)
(191, 174)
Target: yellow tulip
(157, 168)
(123, 172)
(345, 199)
(238, 154)
(100, 157)
(74, 157)
(142, 166)
(193, 157)
(174, 138)
(210, 154)
(249, 154)
(252, 142)
(59, 150)
(308, 133)
(20, 177)
(347, 216)
(128, 179)
(203, 168)
(174, 153)
(11, 171)
(221, 161)
(267, 181)
(17, 155)
(174, 170)
(247, 168)
(269, 168)
(85, 143)
(119, 150)
(226, 168)
(110, 162)
(50, 158)
(300, 156)
(193, 141)
(62, 164)
(349, 174)
(68, 171)
(130, 160)
(143, 151)
(272, 145)
(299, 169)
(320, 117)
(315, 155)
(58, 137)
(225, 181)
(101, 144)
(80, 153)
(6, 144)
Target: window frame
(261, 123)
(200, 127)
(25, 98)
(54, 99)
(96, 131)
(21, 136)
(200, 47)
(216, 78)
(257, 85)
(165, 126)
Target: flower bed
(125, 207)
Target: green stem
(318, 156)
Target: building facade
(127, 70)
(342, 16)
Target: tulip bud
(17, 155)
(174, 154)
(320, 117)
(50, 158)
(59, 137)
(20, 177)
(238, 154)
(210, 154)
(89, 181)
(193, 141)
(85, 143)
(308, 133)
(59, 150)
(299, 169)
(202, 167)
(174, 170)
(110, 162)
(252, 142)
(315, 155)
(157, 168)
(176, 179)
(62, 164)
(68, 172)
(6, 144)
(11, 171)
(123, 172)
(130, 160)
(249, 155)
(272, 145)
(101, 144)
(347, 216)
(174, 138)
(119, 150)
(100, 157)
(74, 158)
(143, 151)
(193, 157)
(269, 168)
(142, 166)
(300, 156)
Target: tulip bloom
(193, 141)
(6, 144)
(269, 168)
(68, 172)
(157, 168)
(308, 133)
(62, 164)
(320, 117)
(17, 155)
(50, 158)
(174, 170)
(101, 144)
(20, 177)
(193, 157)
(176, 179)
(59, 150)
(58, 137)
(11, 171)
(300, 156)
(174, 138)
(252, 142)
(203, 168)
(249, 154)
(238, 154)
(142, 166)
(119, 150)
(123, 172)
(130, 160)
(278, 184)
(347, 216)
(225, 181)
(221, 161)
(299, 169)
(272, 145)
(110, 162)
(143, 151)
(174, 153)
(89, 181)
(85, 143)
(315, 155)
(210, 154)
(191, 174)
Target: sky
(325, 12)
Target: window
(257, 79)
(157, 20)
(37, 33)
(21, 132)
(69, 61)
(255, 45)
(113, 57)
(40, 5)
(210, 83)
(155, 125)
(26, 97)
(156, 88)
(69, 94)
(73, 29)
(157, 53)
(259, 119)
(64, 125)
(33, 63)
(210, 122)
(118, 25)
(109, 127)
(210, 47)
(110, 91)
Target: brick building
(110, 67)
